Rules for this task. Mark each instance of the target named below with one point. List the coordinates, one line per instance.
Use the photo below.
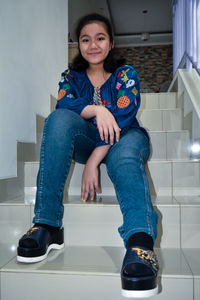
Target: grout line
(180, 209)
(166, 140)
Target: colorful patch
(70, 96)
(134, 91)
(66, 73)
(66, 86)
(124, 76)
(119, 74)
(118, 85)
(135, 102)
(61, 94)
(120, 93)
(105, 103)
(66, 78)
(130, 83)
(123, 101)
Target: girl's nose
(93, 44)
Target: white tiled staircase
(89, 266)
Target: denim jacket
(120, 94)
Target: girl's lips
(94, 53)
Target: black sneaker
(35, 245)
(142, 283)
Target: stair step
(91, 272)
(96, 223)
(170, 145)
(158, 100)
(166, 177)
(160, 119)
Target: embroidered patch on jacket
(61, 94)
(66, 86)
(118, 85)
(118, 75)
(123, 101)
(124, 75)
(105, 103)
(134, 91)
(70, 96)
(120, 93)
(135, 102)
(130, 83)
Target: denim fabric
(68, 136)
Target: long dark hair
(112, 61)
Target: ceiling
(135, 22)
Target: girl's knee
(62, 118)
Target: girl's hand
(90, 181)
(107, 125)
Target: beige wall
(33, 53)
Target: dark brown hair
(112, 61)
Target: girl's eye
(101, 38)
(85, 40)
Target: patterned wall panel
(154, 65)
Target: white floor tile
(193, 258)
(172, 119)
(14, 221)
(30, 173)
(79, 287)
(167, 100)
(158, 142)
(168, 226)
(178, 145)
(190, 226)
(7, 252)
(186, 176)
(92, 269)
(92, 225)
(149, 101)
(151, 119)
(160, 178)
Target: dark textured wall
(154, 65)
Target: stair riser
(169, 145)
(83, 287)
(158, 101)
(159, 120)
(165, 178)
(98, 225)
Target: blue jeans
(68, 136)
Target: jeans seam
(40, 192)
(147, 196)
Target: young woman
(94, 122)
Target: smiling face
(94, 43)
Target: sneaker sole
(139, 294)
(23, 259)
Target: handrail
(186, 34)
(183, 62)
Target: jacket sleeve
(127, 90)
(128, 96)
(68, 94)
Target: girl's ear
(112, 45)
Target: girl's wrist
(89, 111)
